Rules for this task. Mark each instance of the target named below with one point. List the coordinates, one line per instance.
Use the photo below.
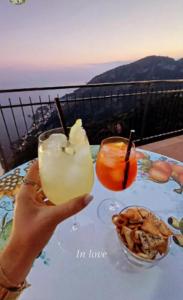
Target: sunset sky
(48, 35)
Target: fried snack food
(142, 232)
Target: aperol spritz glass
(111, 169)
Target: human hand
(34, 223)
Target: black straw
(128, 151)
(61, 116)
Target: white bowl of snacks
(144, 236)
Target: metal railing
(153, 108)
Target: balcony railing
(153, 108)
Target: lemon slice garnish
(77, 134)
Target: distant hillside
(148, 68)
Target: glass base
(106, 209)
(72, 236)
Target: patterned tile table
(89, 264)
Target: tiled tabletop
(66, 269)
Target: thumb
(66, 210)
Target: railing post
(144, 119)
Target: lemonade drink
(66, 167)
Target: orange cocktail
(111, 165)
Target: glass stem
(75, 225)
(115, 205)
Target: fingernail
(88, 199)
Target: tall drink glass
(66, 167)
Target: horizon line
(75, 65)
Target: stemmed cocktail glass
(116, 168)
